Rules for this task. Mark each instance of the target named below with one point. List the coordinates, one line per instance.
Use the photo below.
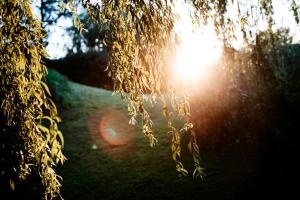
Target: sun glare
(199, 48)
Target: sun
(199, 48)
(196, 52)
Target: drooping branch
(29, 137)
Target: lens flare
(112, 134)
(115, 129)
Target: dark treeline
(85, 68)
(253, 114)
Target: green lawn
(93, 171)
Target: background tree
(51, 12)
(88, 40)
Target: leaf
(244, 21)
(60, 135)
(190, 146)
(43, 128)
(165, 111)
(46, 88)
(49, 119)
(11, 184)
(75, 21)
(198, 172)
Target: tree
(141, 37)
(51, 12)
(29, 136)
(90, 39)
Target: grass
(96, 170)
(142, 172)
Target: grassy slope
(146, 172)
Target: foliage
(51, 12)
(255, 94)
(88, 40)
(141, 38)
(29, 138)
(243, 19)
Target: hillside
(97, 170)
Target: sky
(204, 39)
(58, 38)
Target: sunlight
(195, 53)
(198, 48)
